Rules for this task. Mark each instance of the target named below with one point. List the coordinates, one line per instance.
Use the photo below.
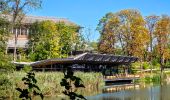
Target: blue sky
(87, 13)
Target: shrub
(27, 68)
(146, 65)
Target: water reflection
(133, 92)
(117, 88)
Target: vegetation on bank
(49, 83)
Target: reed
(49, 83)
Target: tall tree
(69, 38)
(5, 62)
(133, 31)
(17, 9)
(44, 41)
(4, 33)
(125, 29)
(107, 28)
(162, 34)
(151, 22)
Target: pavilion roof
(89, 58)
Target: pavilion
(86, 62)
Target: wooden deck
(120, 79)
(117, 88)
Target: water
(134, 92)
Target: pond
(134, 92)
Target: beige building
(23, 31)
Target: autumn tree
(151, 22)
(162, 34)
(124, 29)
(107, 28)
(133, 32)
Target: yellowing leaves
(125, 28)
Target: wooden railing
(122, 76)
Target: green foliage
(27, 68)
(44, 41)
(5, 85)
(151, 78)
(167, 64)
(5, 63)
(71, 83)
(32, 88)
(136, 65)
(69, 38)
(155, 63)
(52, 40)
(4, 33)
(146, 65)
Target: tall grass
(49, 83)
(148, 78)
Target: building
(84, 62)
(23, 31)
(115, 69)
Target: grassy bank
(155, 78)
(49, 83)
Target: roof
(89, 58)
(22, 63)
(31, 19)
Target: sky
(87, 13)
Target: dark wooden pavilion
(115, 69)
(86, 62)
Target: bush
(5, 63)
(27, 68)
(5, 86)
(146, 65)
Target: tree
(44, 41)
(124, 29)
(50, 40)
(69, 38)
(162, 34)
(133, 31)
(4, 33)
(151, 22)
(5, 63)
(17, 9)
(107, 28)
